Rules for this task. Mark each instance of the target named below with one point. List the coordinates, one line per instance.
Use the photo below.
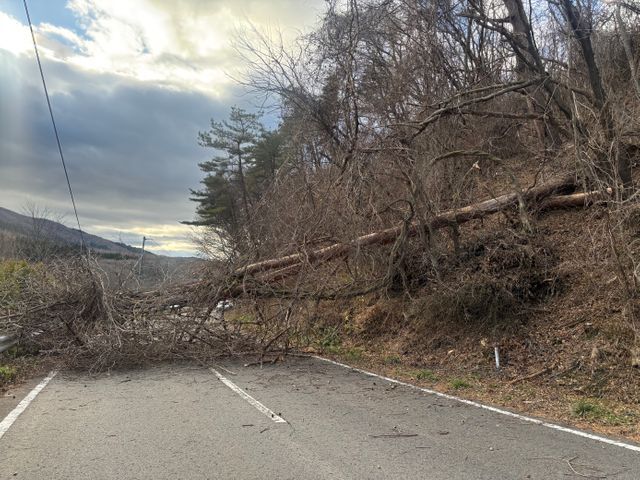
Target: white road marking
(553, 426)
(222, 368)
(276, 418)
(21, 407)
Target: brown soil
(552, 302)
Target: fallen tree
(94, 327)
(583, 199)
(383, 237)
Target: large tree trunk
(620, 166)
(582, 33)
(448, 218)
(243, 186)
(529, 65)
(628, 50)
(574, 200)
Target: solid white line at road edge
(249, 398)
(22, 406)
(572, 431)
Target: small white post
(497, 355)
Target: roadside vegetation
(446, 179)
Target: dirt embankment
(552, 302)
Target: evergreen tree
(225, 183)
(267, 158)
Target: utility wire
(55, 128)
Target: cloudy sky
(131, 83)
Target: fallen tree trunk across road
(383, 237)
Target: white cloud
(15, 36)
(180, 44)
(103, 75)
(61, 32)
(164, 239)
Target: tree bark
(243, 186)
(628, 50)
(574, 200)
(383, 237)
(619, 167)
(528, 64)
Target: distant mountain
(56, 233)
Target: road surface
(302, 419)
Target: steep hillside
(57, 233)
(550, 302)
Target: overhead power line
(55, 128)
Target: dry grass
(563, 321)
(540, 397)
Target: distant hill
(24, 226)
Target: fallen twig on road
(529, 377)
(583, 475)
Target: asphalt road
(184, 422)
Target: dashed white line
(22, 406)
(252, 401)
(553, 426)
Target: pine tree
(267, 158)
(225, 183)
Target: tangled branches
(68, 309)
